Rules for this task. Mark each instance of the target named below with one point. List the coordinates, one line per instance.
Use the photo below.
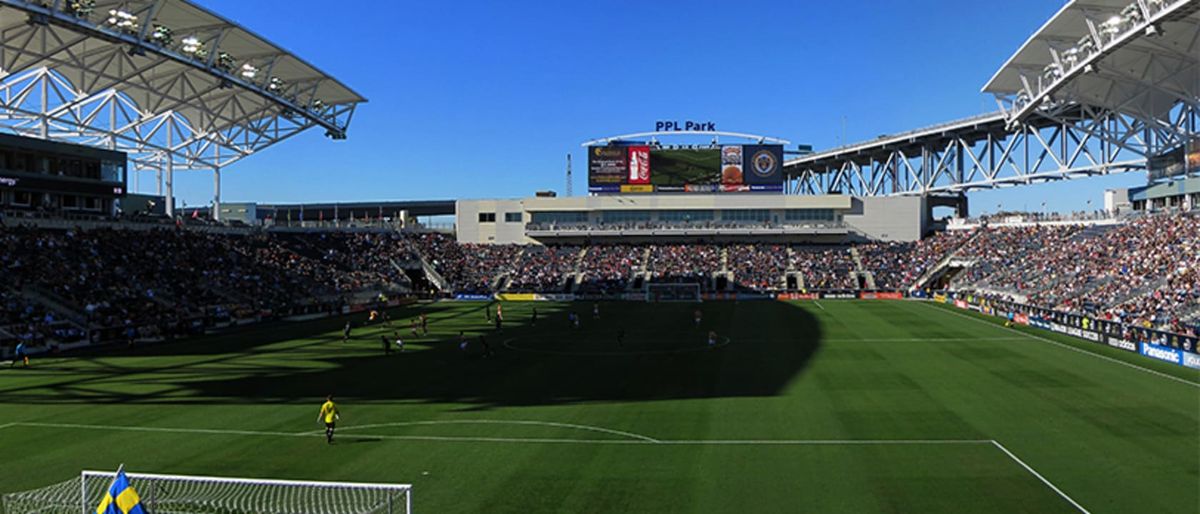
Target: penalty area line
(1039, 476)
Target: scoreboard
(623, 168)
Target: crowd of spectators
(608, 269)
(825, 267)
(1143, 272)
(758, 266)
(156, 283)
(684, 263)
(900, 265)
(544, 268)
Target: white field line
(572, 426)
(6, 425)
(1040, 477)
(918, 339)
(818, 304)
(1068, 347)
(714, 442)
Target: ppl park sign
(687, 126)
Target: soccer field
(831, 406)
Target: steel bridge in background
(1099, 89)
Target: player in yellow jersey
(329, 415)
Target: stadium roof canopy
(171, 83)
(1135, 57)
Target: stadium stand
(123, 284)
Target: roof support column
(216, 206)
(170, 172)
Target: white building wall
(888, 218)
(471, 230)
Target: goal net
(688, 292)
(171, 494)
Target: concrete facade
(872, 218)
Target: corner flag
(121, 498)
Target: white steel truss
(987, 152)
(71, 76)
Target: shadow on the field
(664, 356)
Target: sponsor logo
(637, 188)
(639, 165)
(839, 296)
(1162, 353)
(9, 181)
(1191, 360)
(763, 163)
(796, 296)
(1021, 318)
(1123, 344)
(960, 304)
(473, 297)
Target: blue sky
(485, 99)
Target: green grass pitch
(836, 406)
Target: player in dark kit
(533, 319)
(424, 324)
(499, 322)
(346, 332)
(487, 348)
(387, 348)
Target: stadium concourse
(132, 282)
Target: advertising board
(1162, 353)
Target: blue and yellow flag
(121, 498)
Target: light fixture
(161, 36)
(276, 84)
(1071, 57)
(81, 8)
(1132, 14)
(225, 61)
(248, 71)
(191, 45)
(1112, 27)
(122, 20)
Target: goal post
(681, 292)
(171, 494)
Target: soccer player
(487, 348)
(621, 337)
(500, 311)
(595, 311)
(413, 327)
(387, 347)
(399, 342)
(20, 355)
(346, 332)
(329, 414)
(712, 338)
(463, 345)
(697, 316)
(499, 322)
(533, 320)
(424, 324)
